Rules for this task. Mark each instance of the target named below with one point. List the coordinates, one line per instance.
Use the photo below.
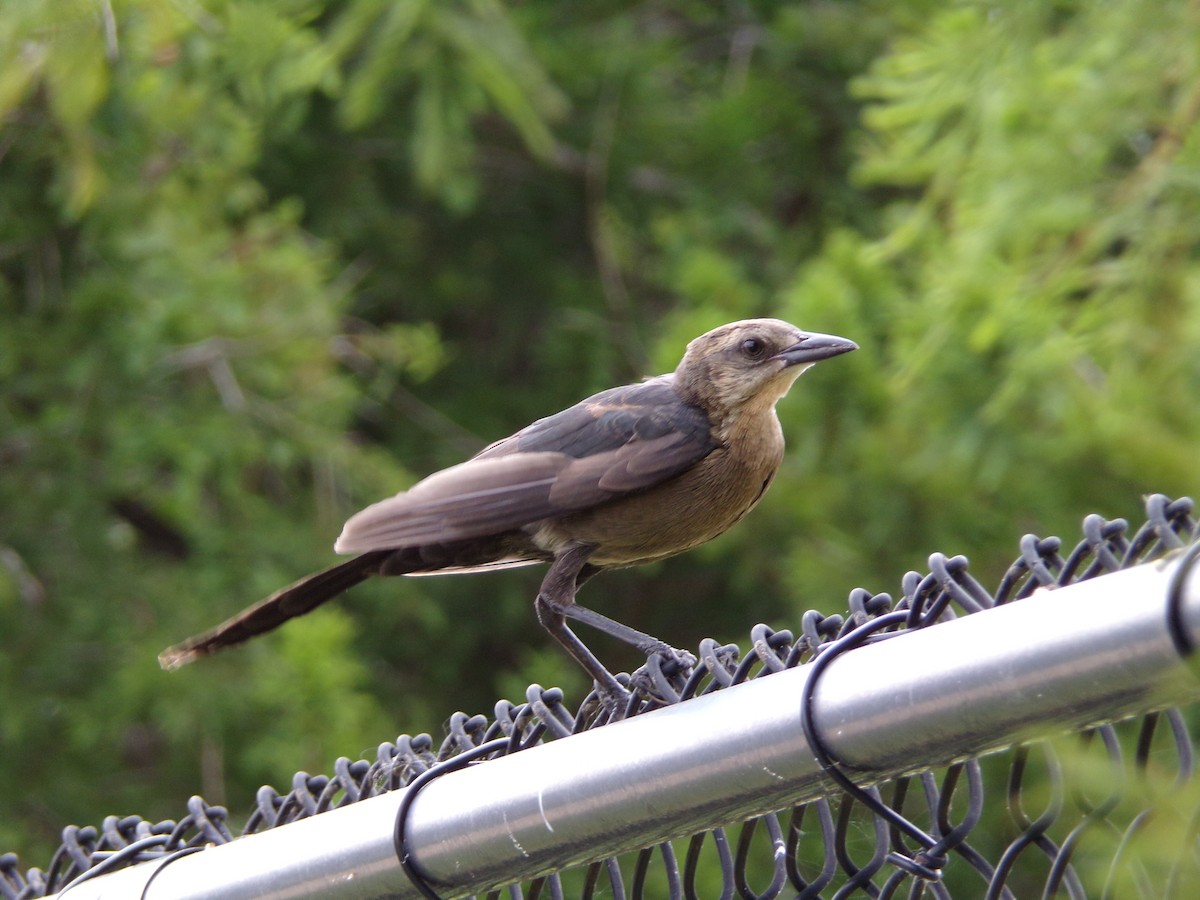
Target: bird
(631, 475)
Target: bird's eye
(753, 348)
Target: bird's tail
(294, 600)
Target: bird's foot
(664, 675)
(610, 699)
(672, 659)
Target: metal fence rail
(894, 689)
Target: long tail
(294, 600)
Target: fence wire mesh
(1111, 812)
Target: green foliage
(264, 262)
(448, 63)
(1031, 305)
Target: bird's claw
(671, 659)
(610, 699)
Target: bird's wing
(618, 442)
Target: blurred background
(262, 263)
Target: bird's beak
(813, 347)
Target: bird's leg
(645, 643)
(554, 601)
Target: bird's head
(752, 361)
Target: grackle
(631, 475)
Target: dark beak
(814, 347)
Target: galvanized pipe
(1094, 651)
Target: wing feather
(618, 442)
(473, 499)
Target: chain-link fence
(1112, 811)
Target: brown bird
(631, 475)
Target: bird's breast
(680, 513)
